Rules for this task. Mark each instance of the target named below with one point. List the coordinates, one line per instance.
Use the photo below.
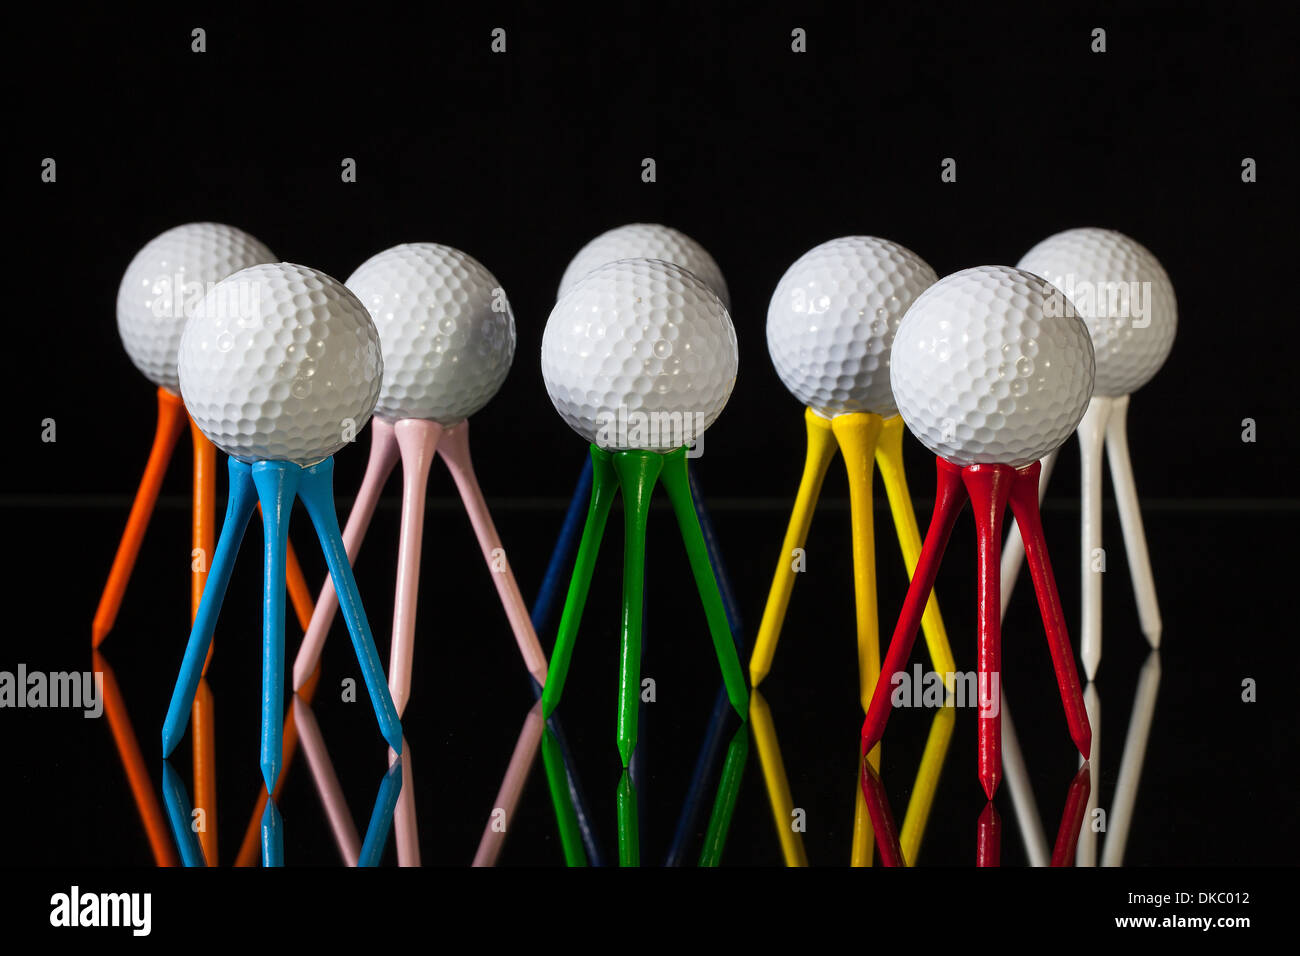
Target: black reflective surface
(1215, 782)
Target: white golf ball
(984, 372)
(280, 362)
(446, 328)
(1123, 295)
(832, 320)
(641, 240)
(166, 279)
(639, 354)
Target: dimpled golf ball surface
(1108, 277)
(173, 270)
(983, 373)
(643, 240)
(447, 348)
(280, 362)
(832, 320)
(646, 337)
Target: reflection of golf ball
(832, 321)
(984, 372)
(280, 362)
(642, 240)
(165, 279)
(639, 354)
(1123, 295)
(446, 328)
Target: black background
(521, 158)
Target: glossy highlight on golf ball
(1123, 295)
(983, 371)
(832, 321)
(642, 240)
(169, 276)
(280, 362)
(639, 354)
(446, 328)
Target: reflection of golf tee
(381, 815)
(900, 847)
(180, 816)
(277, 483)
(327, 783)
(137, 773)
(1125, 796)
(877, 806)
(512, 787)
(355, 851)
(988, 829)
(416, 441)
(988, 837)
(272, 836)
(203, 738)
(566, 814)
(1086, 854)
(405, 825)
(1022, 791)
(248, 848)
(1076, 802)
(627, 798)
(776, 781)
(1130, 769)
